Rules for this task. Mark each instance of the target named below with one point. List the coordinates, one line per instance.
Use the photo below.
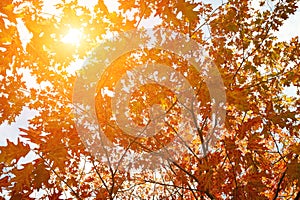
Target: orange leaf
(13, 152)
(4, 183)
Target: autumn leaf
(255, 152)
(187, 9)
(22, 179)
(40, 175)
(4, 183)
(13, 152)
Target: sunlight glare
(73, 37)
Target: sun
(72, 37)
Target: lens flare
(72, 37)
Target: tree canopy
(226, 130)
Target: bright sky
(290, 29)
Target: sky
(291, 28)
